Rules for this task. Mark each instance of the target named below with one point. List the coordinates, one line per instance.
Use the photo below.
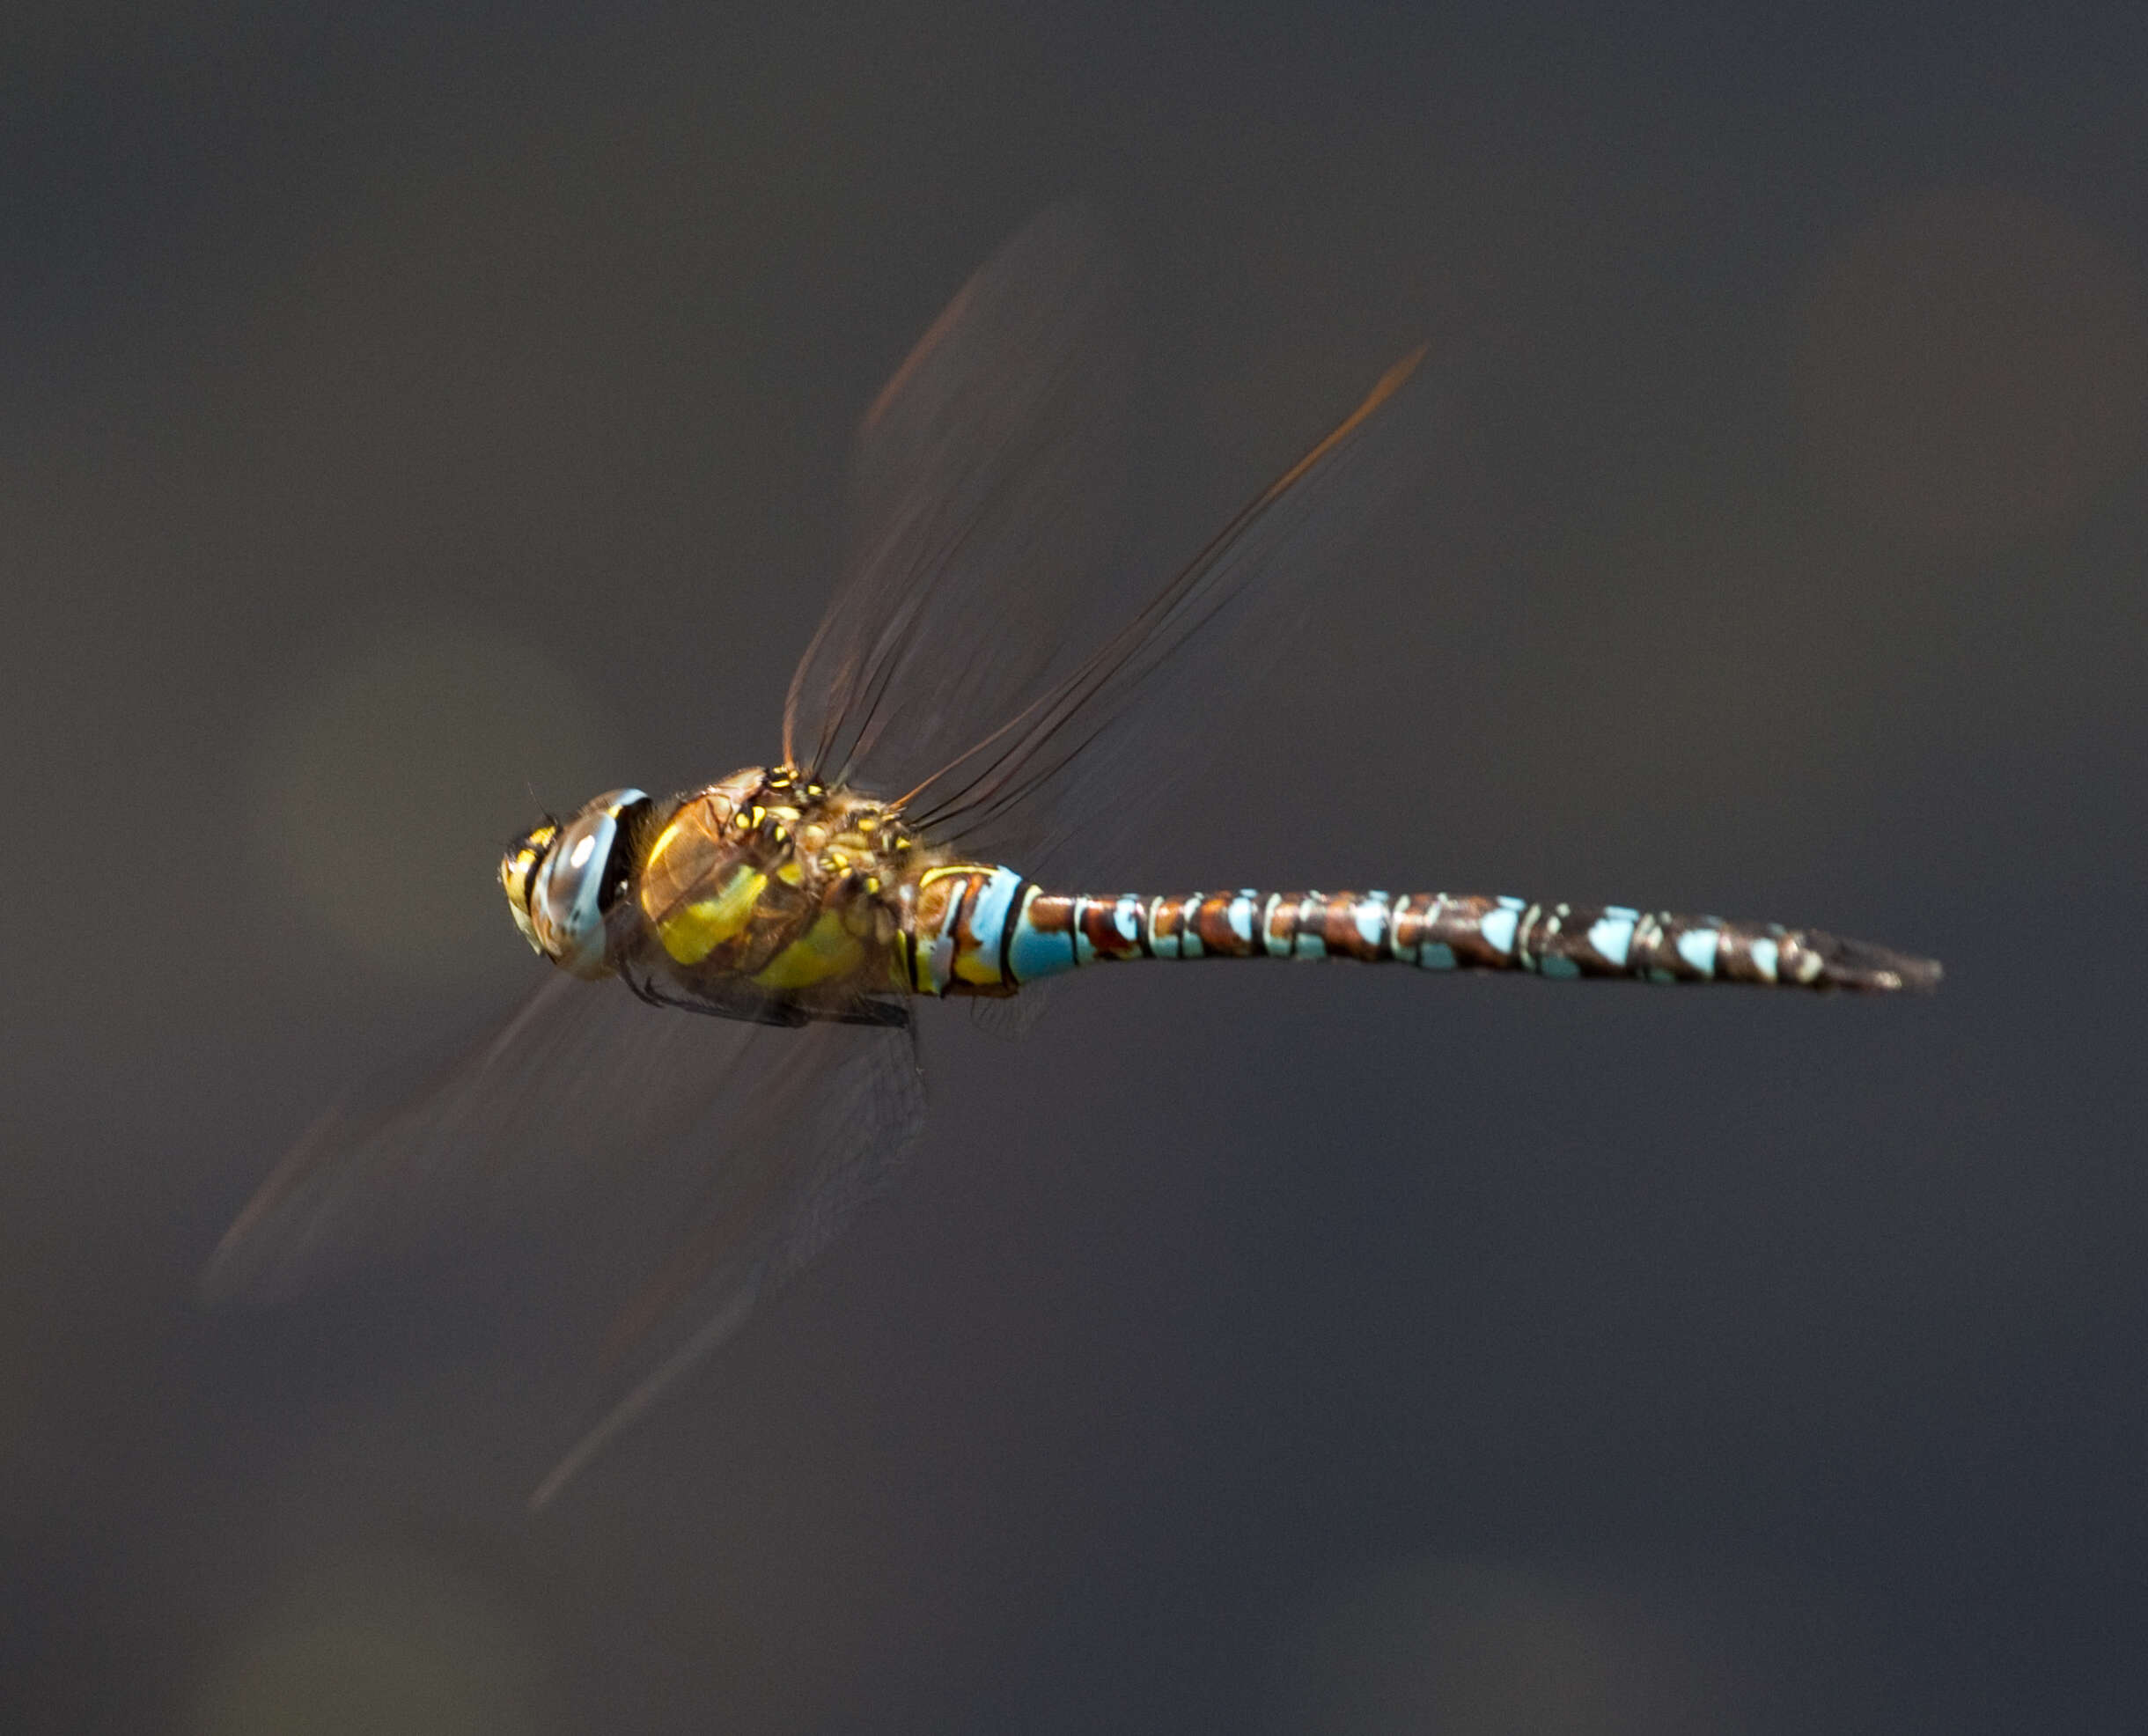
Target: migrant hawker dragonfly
(815, 905)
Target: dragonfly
(730, 1025)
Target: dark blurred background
(409, 411)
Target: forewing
(681, 1166)
(984, 481)
(578, 1080)
(1055, 787)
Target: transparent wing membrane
(1210, 633)
(578, 1078)
(984, 478)
(692, 1165)
(831, 1111)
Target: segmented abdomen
(1005, 932)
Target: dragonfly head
(560, 880)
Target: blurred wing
(579, 1078)
(837, 1108)
(1042, 787)
(1011, 1018)
(983, 483)
(692, 1165)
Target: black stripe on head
(525, 844)
(619, 862)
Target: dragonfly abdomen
(995, 932)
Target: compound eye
(578, 881)
(563, 905)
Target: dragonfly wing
(982, 480)
(1054, 784)
(600, 1122)
(982, 490)
(1011, 1018)
(829, 1121)
(577, 1080)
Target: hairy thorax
(798, 890)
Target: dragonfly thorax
(770, 877)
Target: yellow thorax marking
(699, 928)
(670, 834)
(827, 949)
